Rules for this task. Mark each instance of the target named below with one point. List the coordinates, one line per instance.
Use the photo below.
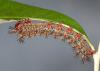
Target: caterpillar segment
(25, 28)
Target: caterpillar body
(26, 29)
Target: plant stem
(96, 57)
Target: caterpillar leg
(21, 38)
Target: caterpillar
(25, 28)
